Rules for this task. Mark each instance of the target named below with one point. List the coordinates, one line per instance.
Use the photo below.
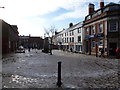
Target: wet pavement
(39, 70)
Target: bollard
(59, 83)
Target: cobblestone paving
(39, 70)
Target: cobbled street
(39, 70)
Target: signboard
(99, 35)
(71, 43)
(90, 36)
(78, 44)
(96, 35)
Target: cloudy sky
(31, 16)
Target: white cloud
(16, 12)
(77, 13)
(79, 9)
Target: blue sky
(31, 16)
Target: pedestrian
(117, 52)
(102, 52)
(71, 49)
(50, 49)
(29, 49)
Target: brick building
(30, 41)
(9, 37)
(23, 40)
(102, 29)
(36, 42)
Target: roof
(109, 7)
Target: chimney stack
(91, 8)
(101, 3)
(70, 25)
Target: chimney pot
(71, 24)
(91, 8)
(101, 3)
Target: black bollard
(59, 83)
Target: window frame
(79, 38)
(79, 30)
(93, 26)
(110, 26)
(87, 31)
(93, 44)
(100, 28)
(102, 42)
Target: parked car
(20, 49)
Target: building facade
(9, 37)
(102, 29)
(71, 39)
(30, 41)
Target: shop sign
(99, 35)
(65, 43)
(71, 43)
(78, 44)
(91, 36)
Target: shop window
(93, 43)
(100, 42)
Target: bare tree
(50, 32)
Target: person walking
(71, 49)
(102, 52)
(117, 52)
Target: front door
(112, 48)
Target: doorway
(112, 48)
